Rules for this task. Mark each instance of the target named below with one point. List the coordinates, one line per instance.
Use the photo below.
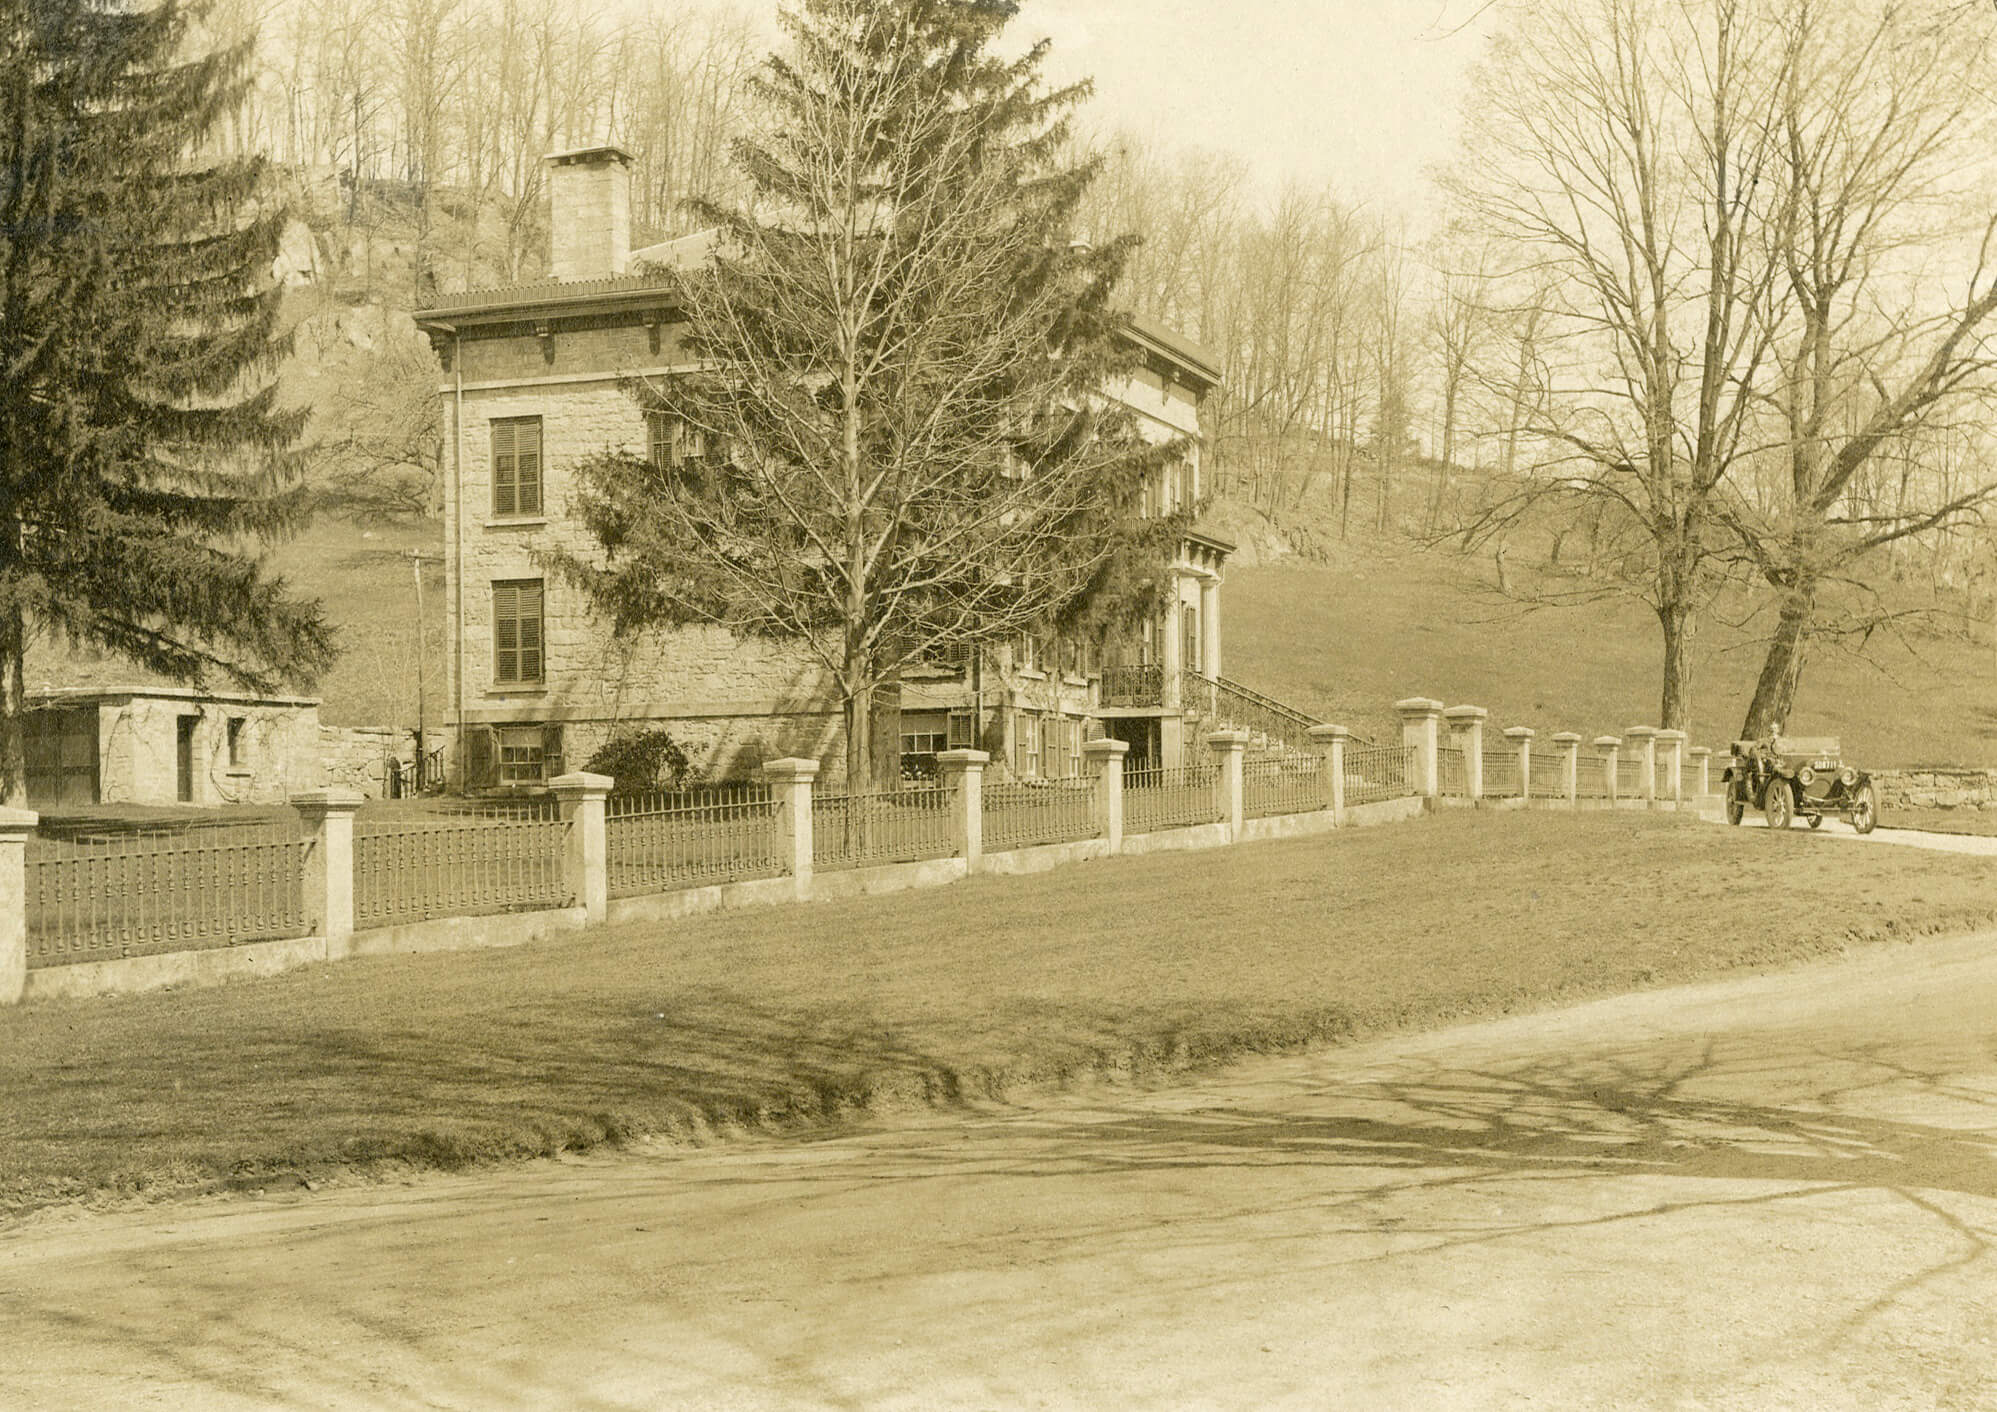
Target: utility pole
(417, 560)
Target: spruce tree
(143, 457)
(899, 442)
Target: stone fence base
(1936, 788)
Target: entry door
(184, 757)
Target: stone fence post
(1702, 764)
(1330, 743)
(1466, 733)
(1569, 744)
(1521, 739)
(1419, 716)
(586, 861)
(1609, 747)
(1107, 756)
(1671, 766)
(328, 817)
(1228, 746)
(15, 826)
(962, 774)
(1645, 738)
(790, 782)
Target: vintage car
(1788, 776)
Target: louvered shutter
(505, 468)
(480, 753)
(530, 631)
(553, 762)
(527, 466)
(506, 632)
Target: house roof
(79, 695)
(654, 269)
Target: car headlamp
(1806, 777)
(1848, 778)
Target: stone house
(532, 386)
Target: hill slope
(1345, 640)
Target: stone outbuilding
(169, 745)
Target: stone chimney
(590, 208)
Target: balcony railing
(1133, 686)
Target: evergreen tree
(900, 442)
(142, 454)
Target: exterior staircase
(1274, 728)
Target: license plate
(1823, 764)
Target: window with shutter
(516, 631)
(553, 762)
(516, 466)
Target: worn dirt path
(1772, 1192)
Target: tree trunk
(13, 708)
(1675, 707)
(1782, 669)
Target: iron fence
(1027, 813)
(1629, 776)
(1592, 777)
(660, 840)
(1452, 772)
(100, 901)
(417, 870)
(1284, 784)
(1378, 772)
(886, 826)
(1167, 797)
(1549, 774)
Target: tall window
(1026, 751)
(669, 441)
(1191, 658)
(516, 631)
(516, 466)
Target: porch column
(790, 781)
(328, 817)
(15, 826)
(1419, 717)
(1671, 766)
(1569, 745)
(1228, 748)
(962, 773)
(586, 857)
(1521, 739)
(1645, 738)
(1702, 766)
(1210, 626)
(1106, 756)
(1171, 653)
(1466, 733)
(1330, 744)
(1609, 748)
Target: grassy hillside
(1348, 638)
(362, 572)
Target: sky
(1360, 95)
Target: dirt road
(1773, 1192)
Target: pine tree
(901, 440)
(142, 453)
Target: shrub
(640, 760)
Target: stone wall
(1937, 787)
(356, 757)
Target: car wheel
(1865, 810)
(1779, 804)
(1816, 821)
(1736, 806)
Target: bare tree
(1881, 119)
(1615, 149)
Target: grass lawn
(790, 1016)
